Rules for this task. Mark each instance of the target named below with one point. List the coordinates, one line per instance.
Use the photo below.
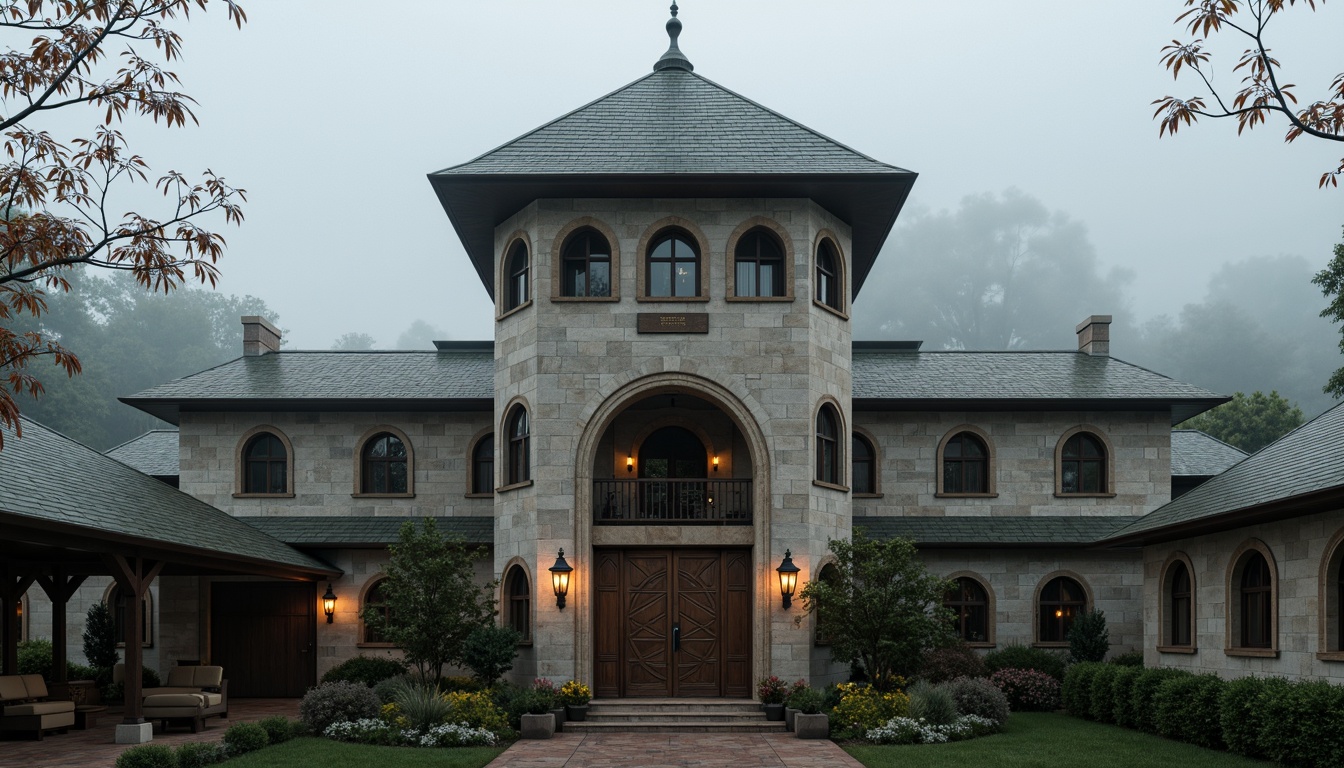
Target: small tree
(883, 609)
(490, 652)
(100, 638)
(1089, 640)
(433, 602)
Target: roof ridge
(1214, 439)
(133, 439)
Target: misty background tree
(353, 342)
(1331, 282)
(420, 335)
(66, 201)
(1249, 422)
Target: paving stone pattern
(569, 750)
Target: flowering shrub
(478, 710)
(960, 660)
(978, 696)
(375, 731)
(905, 730)
(1028, 690)
(456, 735)
(544, 691)
(772, 690)
(337, 702)
(391, 714)
(863, 707)
(575, 694)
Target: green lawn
(324, 753)
(1050, 740)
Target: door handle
(676, 636)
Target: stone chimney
(259, 336)
(1094, 335)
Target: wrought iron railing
(649, 501)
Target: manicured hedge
(1077, 691)
(1143, 694)
(1187, 709)
(1122, 695)
(1303, 723)
(1102, 704)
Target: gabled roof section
(955, 379)
(56, 490)
(672, 134)
(154, 453)
(461, 378)
(1199, 454)
(1296, 474)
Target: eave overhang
(1181, 410)
(1327, 500)
(171, 409)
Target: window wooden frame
(512, 279)
(516, 606)
(1330, 646)
(1171, 615)
(1040, 605)
(782, 238)
(561, 243)
(366, 600)
(361, 463)
(836, 300)
(483, 439)
(835, 477)
(1108, 463)
(696, 258)
(652, 233)
(990, 608)
(990, 471)
(874, 491)
(749, 251)
(240, 465)
(518, 433)
(1234, 631)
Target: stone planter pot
(538, 726)
(812, 726)
(577, 713)
(789, 713)
(774, 712)
(559, 713)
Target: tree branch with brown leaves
(59, 200)
(1262, 94)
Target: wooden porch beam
(59, 588)
(133, 575)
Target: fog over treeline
(1001, 271)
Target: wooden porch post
(133, 575)
(59, 589)
(12, 588)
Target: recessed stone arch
(1164, 605)
(1330, 644)
(991, 607)
(730, 254)
(557, 259)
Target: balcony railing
(649, 501)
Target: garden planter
(774, 712)
(789, 714)
(812, 726)
(538, 726)
(576, 712)
(559, 713)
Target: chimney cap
(263, 322)
(1093, 320)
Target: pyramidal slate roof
(670, 134)
(154, 453)
(1199, 454)
(64, 488)
(1283, 478)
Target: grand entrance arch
(672, 520)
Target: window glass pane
(278, 484)
(974, 477)
(686, 282)
(863, 477)
(378, 448)
(396, 448)
(397, 477)
(952, 477)
(663, 250)
(1069, 477)
(660, 279)
(746, 279)
(768, 280)
(377, 478)
(600, 276)
(1091, 477)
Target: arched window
(828, 445)
(965, 464)
(375, 602)
(1082, 465)
(1332, 598)
(1180, 604)
(383, 465)
(672, 266)
(1256, 602)
(520, 438)
(1062, 599)
(265, 465)
(518, 608)
(969, 603)
(516, 272)
(483, 465)
(828, 276)
(831, 575)
(863, 465)
(759, 265)
(586, 264)
(119, 604)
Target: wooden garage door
(264, 635)
(673, 623)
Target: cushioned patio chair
(190, 695)
(23, 706)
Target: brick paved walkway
(662, 750)
(95, 748)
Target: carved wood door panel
(648, 647)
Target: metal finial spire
(674, 58)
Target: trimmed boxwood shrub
(1021, 657)
(336, 702)
(1122, 691)
(365, 669)
(198, 754)
(1128, 659)
(1241, 712)
(242, 738)
(1102, 704)
(1077, 690)
(959, 660)
(1142, 693)
(1028, 690)
(278, 728)
(147, 756)
(1303, 723)
(1186, 708)
(978, 696)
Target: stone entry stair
(674, 716)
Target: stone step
(611, 715)
(697, 725)
(675, 705)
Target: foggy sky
(331, 114)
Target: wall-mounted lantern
(329, 603)
(716, 463)
(560, 579)
(629, 463)
(788, 578)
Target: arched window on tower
(828, 445)
(759, 265)
(828, 282)
(672, 266)
(520, 443)
(516, 273)
(586, 264)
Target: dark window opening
(673, 267)
(965, 465)
(586, 265)
(1257, 620)
(1082, 465)
(519, 446)
(483, 465)
(1061, 602)
(759, 260)
(828, 446)
(828, 276)
(516, 269)
(519, 609)
(384, 467)
(969, 604)
(375, 602)
(265, 465)
(863, 466)
(1181, 597)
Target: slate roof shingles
(1198, 454)
(965, 529)
(154, 453)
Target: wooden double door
(672, 623)
(264, 634)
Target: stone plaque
(657, 322)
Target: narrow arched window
(516, 272)
(1180, 602)
(119, 604)
(1062, 600)
(586, 264)
(863, 465)
(1257, 618)
(383, 465)
(672, 266)
(969, 604)
(375, 602)
(520, 439)
(965, 464)
(483, 465)
(828, 445)
(1082, 465)
(265, 465)
(518, 610)
(759, 265)
(831, 576)
(828, 276)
